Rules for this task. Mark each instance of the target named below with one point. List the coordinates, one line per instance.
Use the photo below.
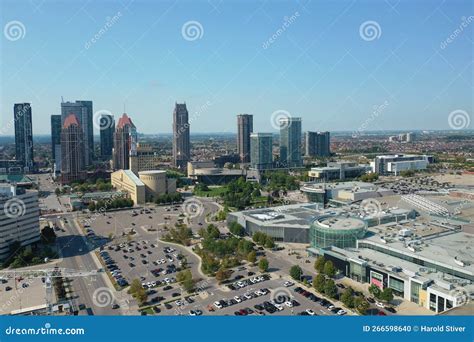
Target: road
(76, 254)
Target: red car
(243, 312)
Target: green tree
(252, 257)
(361, 305)
(263, 265)
(330, 288)
(369, 177)
(57, 191)
(141, 296)
(296, 272)
(386, 295)
(269, 243)
(319, 264)
(212, 232)
(236, 229)
(138, 292)
(374, 290)
(347, 297)
(185, 278)
(222, 274)
(318, 282)
(329, 269)
(91, 206)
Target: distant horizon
(454, 132)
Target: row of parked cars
(112, 267)
(277, 304)
(223, 303)
(246, 282)
(155, 283)
(323, 302)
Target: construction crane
(48, 274)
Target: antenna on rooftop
(62, 99)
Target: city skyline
(394, 80)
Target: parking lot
(135, 252)
(20, 293)
(149, 223)
(155, 264)
(247, 293)
(278, 298)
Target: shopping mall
(425, 259)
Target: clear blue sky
(318, 68)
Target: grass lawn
(214, 191)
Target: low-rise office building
(342, 193)
(19, 218)
(394, 164)
(205, 172)
(338, 171)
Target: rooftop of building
(429, 241)
(303, 214)
(125, 120)
(152, 172)
(354, 185)
(438, 239)
(15, 179)
(289, 118)
(258, 134)
(405, 270)
(99, 195)
(297, 215)
(132, 177)
(401, 155)
(217, 171)
(340, 223)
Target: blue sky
(319, 67)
